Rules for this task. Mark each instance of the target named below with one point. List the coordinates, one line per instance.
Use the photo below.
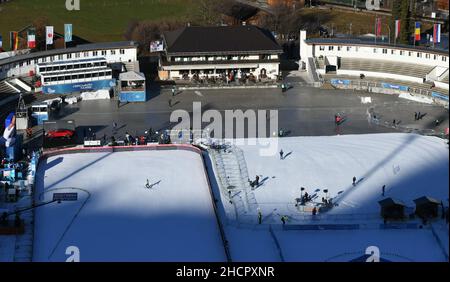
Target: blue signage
(395, 87)
(439, 96)
(340, 81)
(133, 96)
(79, 87)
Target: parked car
(60, 133)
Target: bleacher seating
(445, 80)
(383, 66)
(420, 86)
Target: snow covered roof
(426, 200)
(390, 202)
(131, 76)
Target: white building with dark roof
(228, 52)
(401, 66)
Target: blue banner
(68, 32)
(340, 81)
(439, 96)
(79, 87)
(133, 96)
(395, 87)
(1, 41)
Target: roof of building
(78, 48)
(371, 42)
(246, 39)
(426, 200)
(131, 76)
(390, 202)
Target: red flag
(378, 27)
(397, 28)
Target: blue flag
(68, 32)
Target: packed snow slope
(117, 218)
(409, 165)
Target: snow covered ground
(116, 218)
(409, 165)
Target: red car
(60, 133)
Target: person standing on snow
(384, 187)
(354, 180)
(281, 154)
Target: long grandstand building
(59, 71)
(399, 67)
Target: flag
(417, 32)
(1, 41)
(49, 35)
(68, 32)
(437, 33)
(31, 38)
(14, 37)
(397, 28)
(378, 32)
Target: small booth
(40, 112)
(392, 209)
(132, 87)
(427, 207)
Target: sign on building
(65, 197)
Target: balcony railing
(219, 62)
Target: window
(339, 48)
(69, 67)
(95, 74)
(76, 66)
(444, 58)
(384, 51)
(419, 55)
(60, 78)
(67, 77)
(402, 52)
(103, 52)
(330, 48)
(74, 76)
(86, 54)
(356, 48)
(321, 48)
(122, 51)
(82, 66)
(113, 52)
(88, 75)
(374, 50)
(95, 53)
(47, 79)
(392, 52)
(410, 53)
(60, 57)
(77, 55)
(69, 56)
(427, 56)
(435, 57)
(349, 48)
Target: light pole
(326, 193)
(301, 191)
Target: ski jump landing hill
(117, 216)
